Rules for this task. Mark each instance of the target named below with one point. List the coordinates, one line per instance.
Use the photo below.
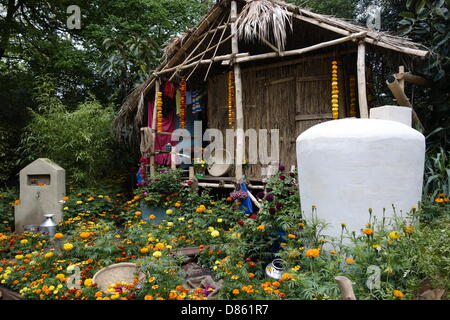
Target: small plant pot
(199, 172)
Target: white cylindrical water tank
(348, 166)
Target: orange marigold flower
(59, 235)
(286, 276)
(368, 231)
(236, 292)
(398, 294)
(313, 253)
(349, 260)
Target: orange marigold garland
(159, 116)
(183, 104)
(334, 90)
(352, 86)
(231, 99)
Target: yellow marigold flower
(169, 211)
(394, 235)
(138, 213)
(333, 252)
(215, 234)
(291, 236)
(286, 276)
(398, 294)
(85, 235)
(296, 268)
(144, 250)
(152, 217)
(408, 229)
(313, 253)
(220, 220)
(368, 231)
(68, 246)
(48, 255)
(23, 241)
(154, 287)
(60, 276)
(157, 254)
(88, 283)
(19, 257)
(261, 227)
(159, 246)
(79, 202)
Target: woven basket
(120, 272)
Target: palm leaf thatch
(264, 20)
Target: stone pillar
(42, 187)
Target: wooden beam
(408, 77)
(303, 50)
(372, 38)
(361, 72)
(240, 137)
(322, 116)
(155, 111)
(403, 100)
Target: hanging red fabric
(161, 141)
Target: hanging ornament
(183, 104)
(159, 115)
(334, 90)
(352, 86)
(231, 100)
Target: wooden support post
(401, 82)
(240, 137)
(346, 288)
(361, 70)
(155, 112)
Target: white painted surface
(394, 113)
(348, 166)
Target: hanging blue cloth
(139, 178)
(246, 204)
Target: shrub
(79, 141)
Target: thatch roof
(255, 20)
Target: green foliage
(437, 174)
(79, 141)
(427, 22)
(7, 200)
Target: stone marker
(42, 187)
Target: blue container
(158, 212)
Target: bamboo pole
(302, 50)
(408, 77)
(361, 73)
(155, 111)
(217, 48)
(403, 100)
(240, 138)
(207, 47)
(375, 41)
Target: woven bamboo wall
(290, 97)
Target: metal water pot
(49, 225)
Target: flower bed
(103, 229)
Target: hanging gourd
(231, 100)
(183, 104)
(352, 86)
(159, 115)
(334, 90)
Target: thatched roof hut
(281, 56)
